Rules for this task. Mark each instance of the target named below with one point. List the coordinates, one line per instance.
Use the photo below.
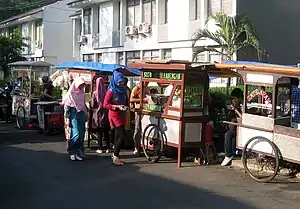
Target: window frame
(87, 21)
(152, 12)
(136, 10)
(151, 57)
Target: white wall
(58, 33)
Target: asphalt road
(35, 173)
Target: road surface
(35, 173)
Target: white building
(116, 31)
(48, 30)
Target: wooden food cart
(27, 89)
(269, 131)
(90, 71)
(175, 113)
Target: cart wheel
(21, 117)
(153, 147)
(261, 159)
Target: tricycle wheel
(261, 159)
(21, 117)
(153, 142)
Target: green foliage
(233, 34)
(11, 8)
(11, 50)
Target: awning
(97, 66)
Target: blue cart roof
(96, 66)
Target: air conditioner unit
(131, 30)
(144, 28)
(38, 44)
(82, 39)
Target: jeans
(229, 143)
(120, 137)
(77, 126)
(137, 131)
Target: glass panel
(137, 15)
(193, 95)
(214, 6)
(153, 18)
(166, 11)
(227, 7)
(87, 21)
(198, 9)
(159, 94)
(147, 11)
(130, 17)
(167, 54)
(259, 100)
(176, 100)
(283, 107)
(133, 55)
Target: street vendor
(47, 94)
(135, 100)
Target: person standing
(75, 115)
(115, 101)
(135, 100)
(236, 112)
(100, 115)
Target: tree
(232, 35)
(11, 50)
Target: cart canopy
(97, 66)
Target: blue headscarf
(120, 91)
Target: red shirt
(116, 117)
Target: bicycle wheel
(21, 117)
(153, 142)
(260, 155)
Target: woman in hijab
(116, 102)
(75, 113)
(100, 115)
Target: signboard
(148, 74)
(171, 76)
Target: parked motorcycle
(5, 102)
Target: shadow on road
(42, 179)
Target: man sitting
(230, 135)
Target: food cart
(27, 77)
(50, 116)
(269, 131)
(175, 112)
(90, 71)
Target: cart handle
(230, 123)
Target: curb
(237, 163)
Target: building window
(197, 9)
(151, 55)
(149, 11)
(133, 55)
(201, 57)
(166, 11)
(215, 6)
(133, 12)
(167, 53)
(99, 57)
(87, 17)
(38, 31)
(88, 58)
(120, 58)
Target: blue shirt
(295, 105)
